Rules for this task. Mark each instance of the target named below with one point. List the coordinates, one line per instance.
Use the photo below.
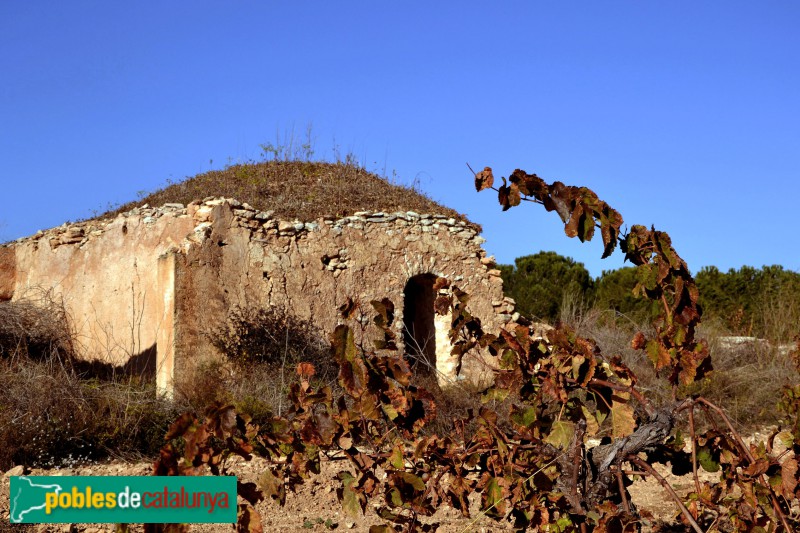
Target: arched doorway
(419, 331)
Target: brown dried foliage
(33, 329)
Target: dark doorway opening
(419, 333)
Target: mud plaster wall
(115, 280)
(8, 273)
(163, 277)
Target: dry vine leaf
(623, 423)
(348, 309)
(248, 521)
(306, 370)
(789, 477)
(484, 179)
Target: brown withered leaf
(306, 370)
(410, 485)
(609, 231)
(493, 498)
(756, 469)
(343, 344)
(249, 491)
(442, 305)
(352, 376)
(345, 442)
(457, 492)
(529, 184)
(248, 520)
(562, 200)
(367, 407)
(326, 427)
(622, 371)
(503, 196)
(385, 310)
(241, 448)
(585, 369)
(639, 341)
(693, 364)
(423, 410)
(512, 341)
(363, 461)
(309, 433)
(167, 462)
(180, 426)
(440, 283)
(221, 418)
(348, 309)
(658, 354)
(623, 423)
(484, 179)
(586, 226)
(688, 313)
(195, 440)
(514, 197)
(662, 271)
(398, 400)
(353, 500)
(638, 245)
(561, 434)
(272, 486)
(664, 244)
(571, 228)
(553, 386)
(397, 368)
(789, 477)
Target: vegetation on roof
(298, 190)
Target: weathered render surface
(151, 283)
(116, 280)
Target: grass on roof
(298, 190)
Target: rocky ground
(315, 506)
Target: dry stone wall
(160, 279)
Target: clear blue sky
(681, 114)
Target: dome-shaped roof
(298, 190)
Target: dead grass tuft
(275, 337)
(51, 416)
(34, 328)
(746, 381)
(262, 348)
(298, 190)
(55, 410)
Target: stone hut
(143, 285)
